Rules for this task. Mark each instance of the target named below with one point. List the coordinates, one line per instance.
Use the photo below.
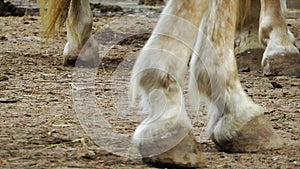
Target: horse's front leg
(158, 75)
(281, 57)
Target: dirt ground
(39, 127)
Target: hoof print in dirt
(256, 136)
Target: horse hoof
(87, 56)
(283, 63)
(257, 135)
(70, 60)
(80, 62)
(186, 154)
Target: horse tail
(53, 12)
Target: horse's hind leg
(236, 123)
(79, 27)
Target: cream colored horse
(202, 34)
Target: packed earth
(40, 128)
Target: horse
(198, 37)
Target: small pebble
(276, 85)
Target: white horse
(202, 34)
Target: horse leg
(80, 42)
(158, 75)
(246, 37)
(281, 57)
(236, 124)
